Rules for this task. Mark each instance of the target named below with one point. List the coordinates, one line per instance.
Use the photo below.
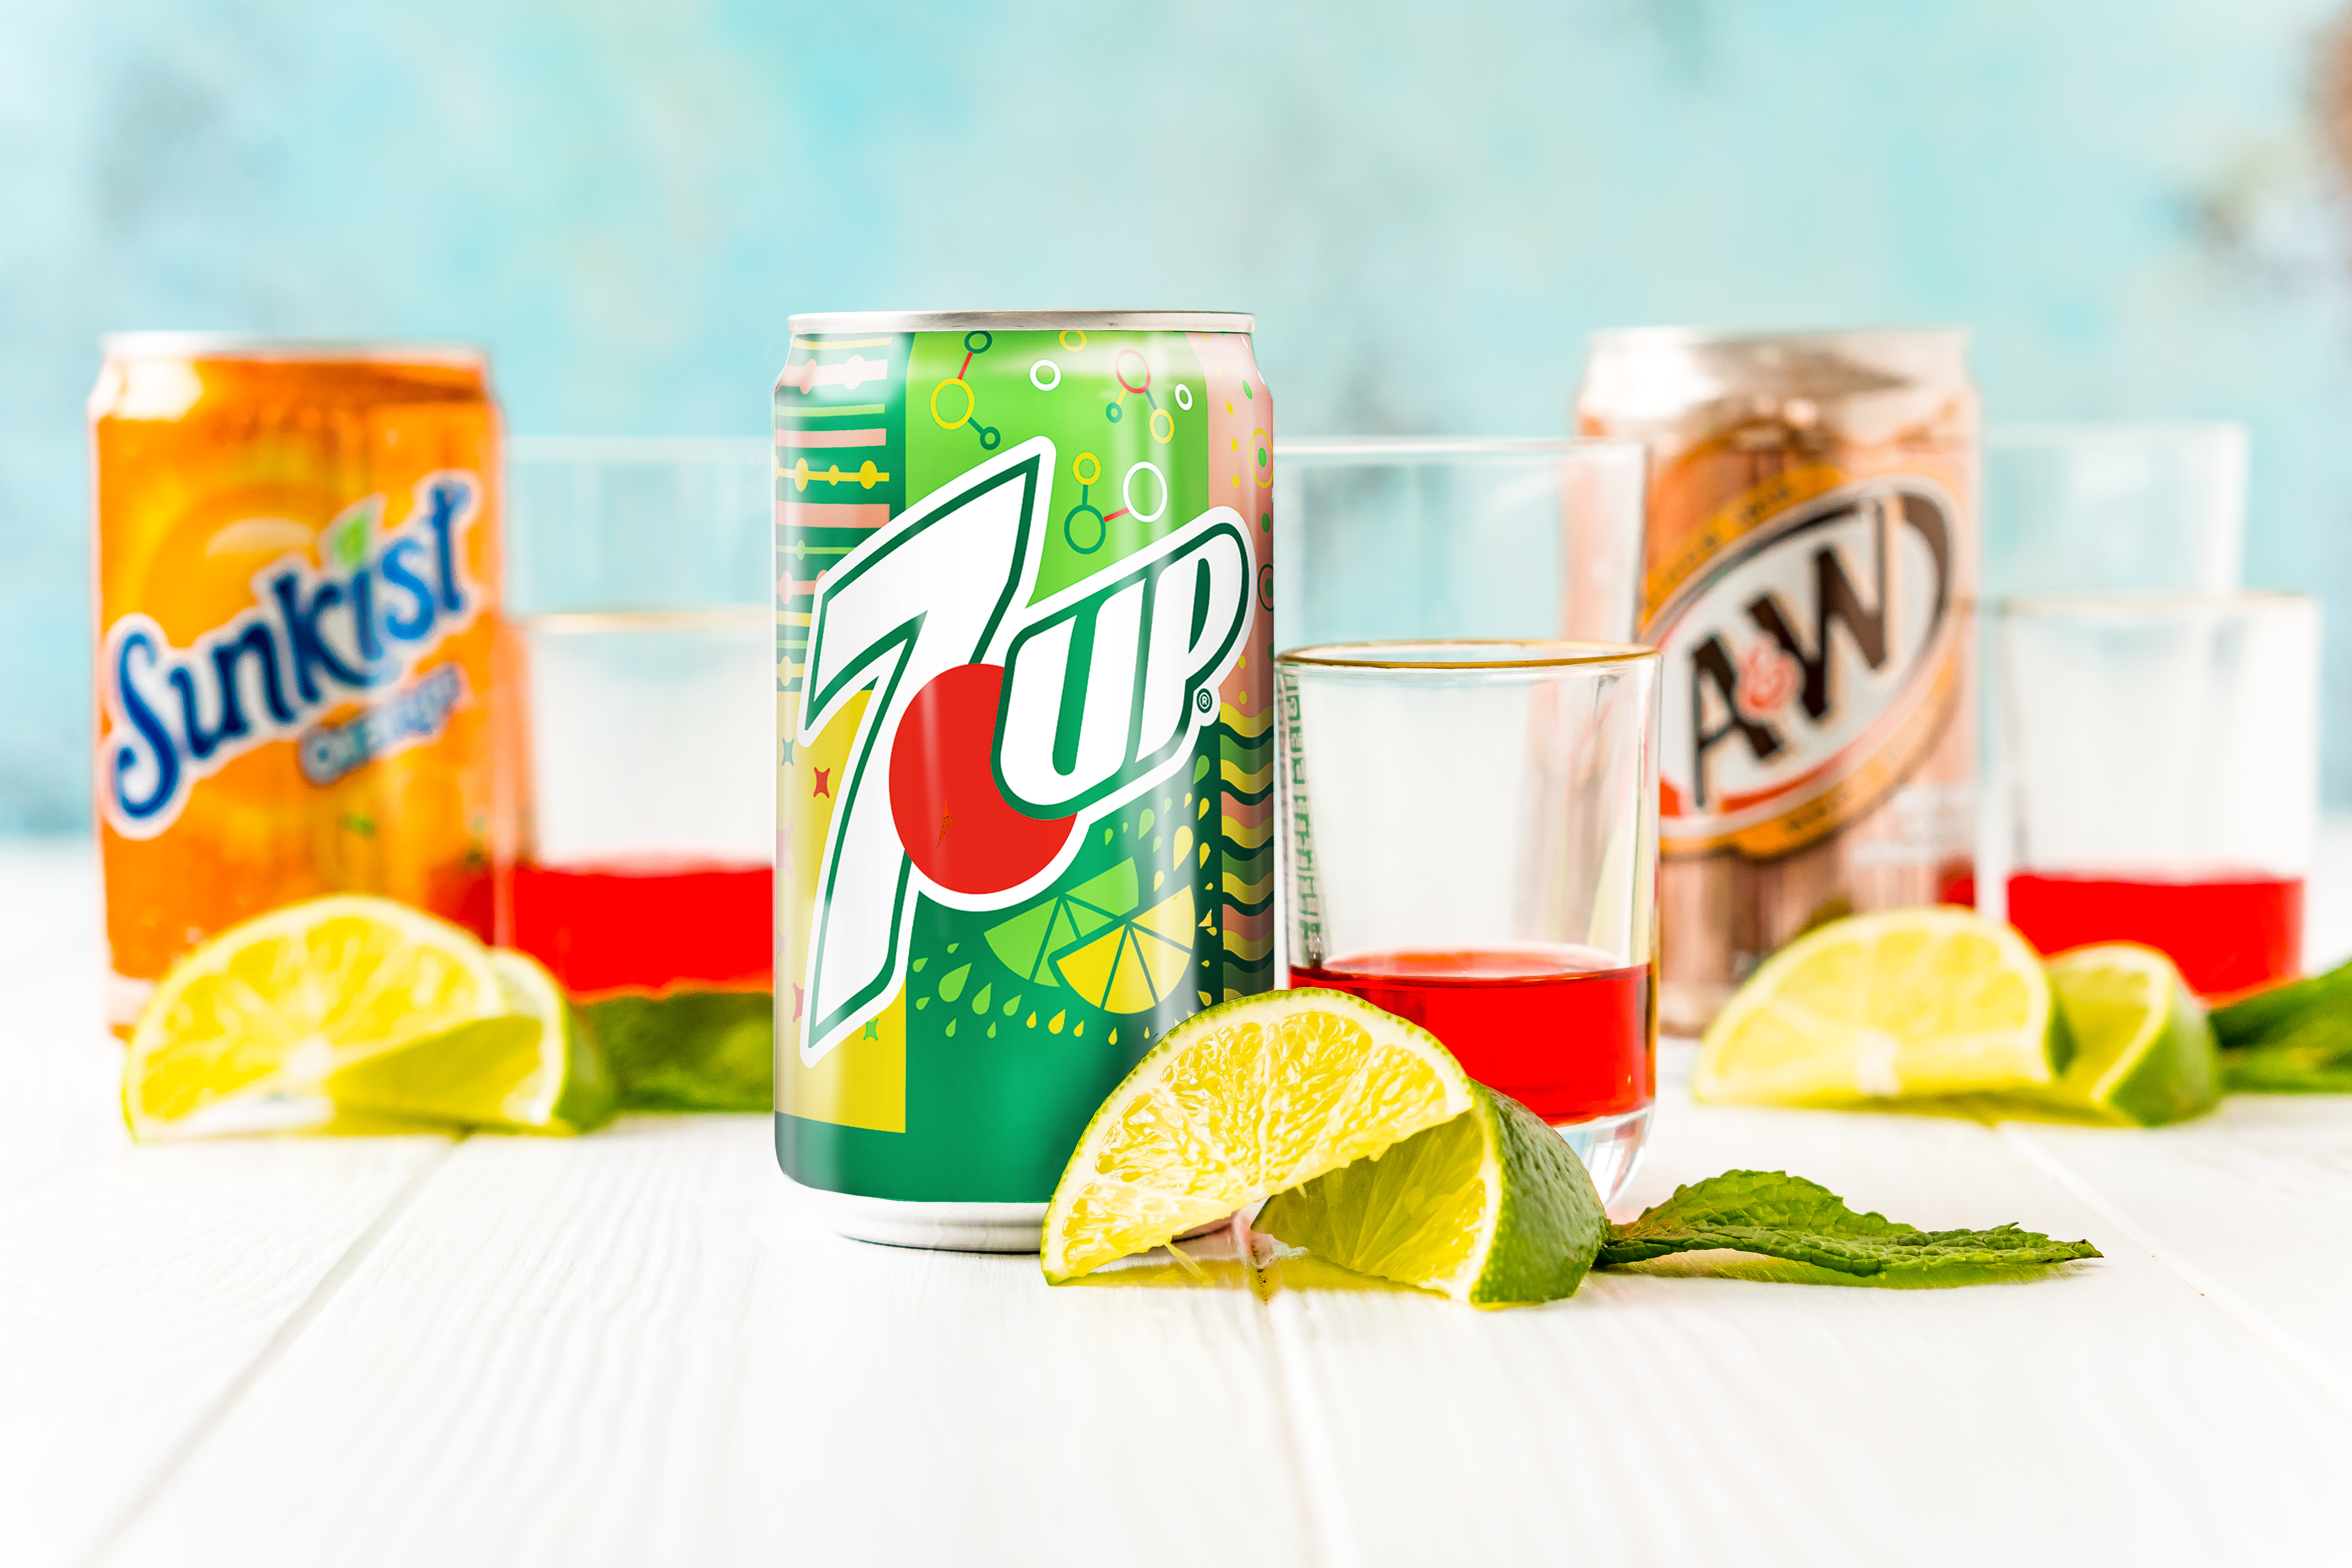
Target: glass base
(1610, 1146)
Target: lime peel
(1491, 1208)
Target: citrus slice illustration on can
(1093, 939)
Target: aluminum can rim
(1025, 321)
(262, 346)
(1712, 336)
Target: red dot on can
(952, 819)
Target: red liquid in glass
(2228, 933)
(648, 924)
(1566, 1031)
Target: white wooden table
(633, 1349)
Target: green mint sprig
(2291, 1040)
(1789, 1217)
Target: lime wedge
(1491, 1208)
(538, 1069)
(1906, 1003)
(2144, 1053)
(243, 1032)
(1236, 1102)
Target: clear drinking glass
(2124, 507)
(1454, 537)
(2163, 766)
(639, 586)
(2099, 506)
(1470, 841)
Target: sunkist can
(297, 567)
(1811, 578)
(1024, 634)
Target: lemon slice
(537, 1068)
(243, 1032)
(1492, 1208)
(1906, 1003)
(2144, 1053)
(1239, 1101)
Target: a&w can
(1023, 623)
(1810, 578)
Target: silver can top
(262, 346)
(1025, 321)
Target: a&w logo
(352, 628)
(1796, 654)
(998, 730)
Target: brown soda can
(1811, 577)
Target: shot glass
(1458, 537)
(2162, 756)
(643, 644)
(1470, 841)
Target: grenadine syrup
(2229, 933)
(1569, 1032)
(648, 925)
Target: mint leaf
(1780, 1216)
(2269, 1017)
(689, 1050)
(2309, 1068)
(2291, 1040)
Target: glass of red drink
(643, 644)
(1470, 841)
(2162, 757)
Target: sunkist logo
(354, 628)
(1792, 645)
(998, 730)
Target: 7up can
(1024, 628)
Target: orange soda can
(297, 569)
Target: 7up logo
(998, 730)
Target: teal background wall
(1427, 207)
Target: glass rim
(1368, 449)
(649, 618)
(2141, 606)
(1561, 652)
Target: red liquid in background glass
(1566, 1031)
(2228, 933)
(647, 924)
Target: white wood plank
(137, 1286)
(2112, 1414)
(137, 1291)
(2253, 1206)
(62, 1068)
(635, 1348)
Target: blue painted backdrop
(1426, 207)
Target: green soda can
(1024, 628)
